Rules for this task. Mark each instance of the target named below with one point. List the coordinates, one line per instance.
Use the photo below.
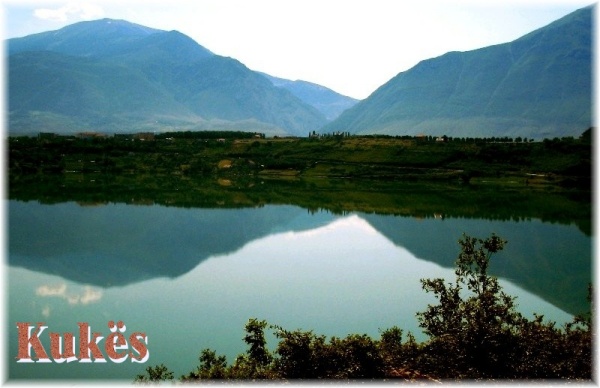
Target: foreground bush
(475, 333)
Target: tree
(472, 328)
(303, 355)
(255, 364)
(155, 374)
(255, 338)
(297, 353)
(211, 367)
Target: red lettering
(139, 346)
(56, 347)
(114, 342)
(89, 347)
(29, 340)
(62, 348)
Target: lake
(334, 259)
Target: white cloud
(85, 296)
(90, 296)
(57, 290)
(70, 11)
(46, 311)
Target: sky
(350, 46)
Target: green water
(190, 274)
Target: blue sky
(351, 46)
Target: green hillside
(115, 76)
(537, 86)
(87, 93)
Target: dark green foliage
(155, 374)
(211, 367)
(303, 355)
(565, 161)
(258, 354)
(204, 135)
(475, 333)
(354, 357)
(477, 323)
(298, 351)
(476, 330)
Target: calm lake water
(190, 278)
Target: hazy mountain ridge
(327, 101)
(539, 85)
(123, 77)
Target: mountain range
(115, 76)
(537, 86)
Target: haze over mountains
(328, 102)
(115, 76)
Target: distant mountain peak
(113, 23)
(330, 103)
(88, 38)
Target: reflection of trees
(423, 200)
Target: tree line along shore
(560, 161)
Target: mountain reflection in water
(189, 261)
(332, 274)
(118, 244)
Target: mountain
(537, 86)
(115, 76)
(93, 39)
(328, 102)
